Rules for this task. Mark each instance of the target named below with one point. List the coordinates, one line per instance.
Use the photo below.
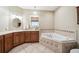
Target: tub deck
(58, 45)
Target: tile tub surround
(58, 47)
(67, 33)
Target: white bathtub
(57, 42)
(57, 37)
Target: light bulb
(35, 13)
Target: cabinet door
(35, 36)
(16, 39)
(27, 37)
(8, 42)
(1, 44)
(21, 37)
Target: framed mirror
(16, 22)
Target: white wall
(18, 12)
(66, 18)
(46, 19)
(4, 19)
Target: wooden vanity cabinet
(35, 36)
(21, 37)
(27, 37)
(31, 36)
(8, 42)
(18, 38)
(1, 44)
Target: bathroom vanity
(12, 39)
(1, 44)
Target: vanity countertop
(7, 32)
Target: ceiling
(47, 8)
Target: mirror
(16, 22)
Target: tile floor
(31, 48)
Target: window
(35, 22)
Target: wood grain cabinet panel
(21, 37)
(31, 36)
(16, 40)
(35, 36)
(1, 44)
(8, 42)
(27, 37)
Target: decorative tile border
(59, 30)
(64, 30)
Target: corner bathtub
(57, 42)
